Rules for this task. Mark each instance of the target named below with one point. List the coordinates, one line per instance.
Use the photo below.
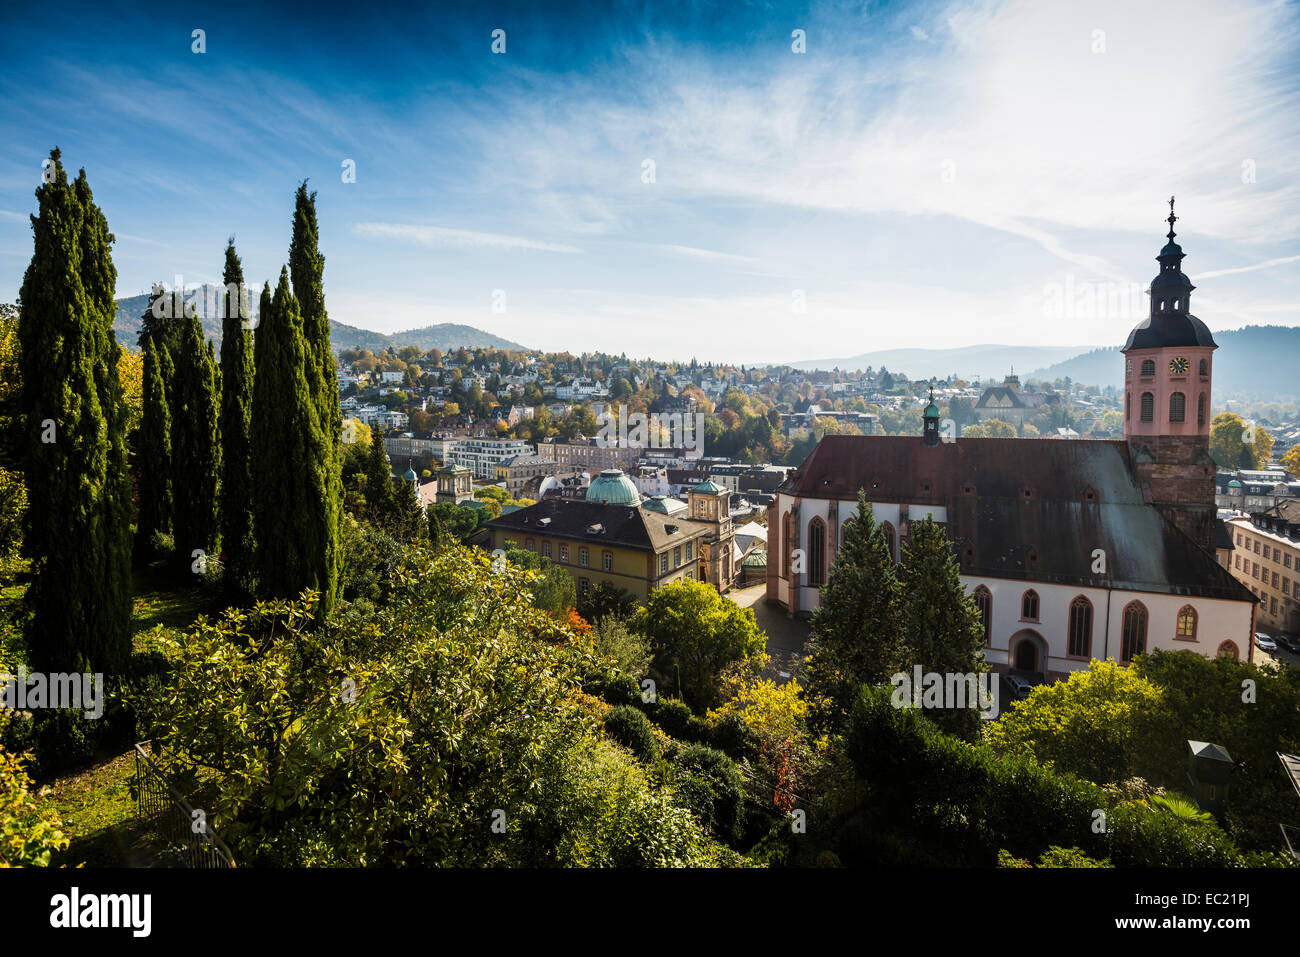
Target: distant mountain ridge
(1260, 362)
(982, 361)
(447, 336)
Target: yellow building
(611, 537)
(1266, 559)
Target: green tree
(287, 467)
(1227, 448)
(73, 412)
(856, 633)
(196, 448)
(696, 636)
(552, 588)
(155, 450)
(237, 489)
(379, 480)
(321, 525)
(450, 523)
(942, 628)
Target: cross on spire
(1172, 218)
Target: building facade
(1266, 559)
(1072, 550)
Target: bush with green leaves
(710, 784)
(631, 728)
(444, 727)
(976, 803)
(28, 834)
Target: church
(1073, 549)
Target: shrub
(28, 835)
(630, 728)
(711, 786)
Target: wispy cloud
(1268, 264)
(448, 236)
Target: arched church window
(1187, 623)
(1148, 407)
(887, 531)
(1134, 632)
(816, 552)
(1080, 628)
(984, 602)
(1177, 407)
(1029, 606)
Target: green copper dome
(612, 487)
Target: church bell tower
(1168, 361)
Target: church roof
(1030, 509)
(1171, 329)
(597, 523)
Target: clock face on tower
(1178, 365)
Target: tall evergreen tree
(74, 425)
(856, 634)
(379, 478)
(236, 423)
(942, 629)
(307, 267)
(288, 475)
(155, 448)
(196, 448)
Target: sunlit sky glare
(924, 175)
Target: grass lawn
(98, 812)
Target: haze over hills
(446, 336)
(983, 361)
(1252, 362)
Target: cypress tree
(196, 450)
(286, 453)
(324, 528)
(856, 633)
(74, 416)
(155, 452)
(236, 422)
(942, 629)
(379, 479)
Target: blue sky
(930, 174)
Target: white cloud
(448, 236)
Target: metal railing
(173, 818)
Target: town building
(610, 536)
(482, 455)
(1009, 404)
(1072, 550)
(1266, 560)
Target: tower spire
(1172, 218)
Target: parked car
(1020, 688)
(1290, 644)
(1264, 642)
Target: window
(690, 547)
(1275, 579)
(816, 552)
(984, 602)
(1148, 407)
(1205, 368)
(583, 585)
(1186, 623)
(607, 561)
(1133, 632)
(1177, 407)
(1272, 606)
(1238, 559)
(1200, 409)
(546, 549)
(1239, 538)
(1080, 630)
(1286, 586)
(528, 544)
(1256, 546)
(582, 557)
(1148, 367)
(887, 531)
(564, 554)
(1286, 561)
(1029, 606)
(677, 557)
(1228, 650)
(1267, 551)
(787, 531)
(663, 564)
